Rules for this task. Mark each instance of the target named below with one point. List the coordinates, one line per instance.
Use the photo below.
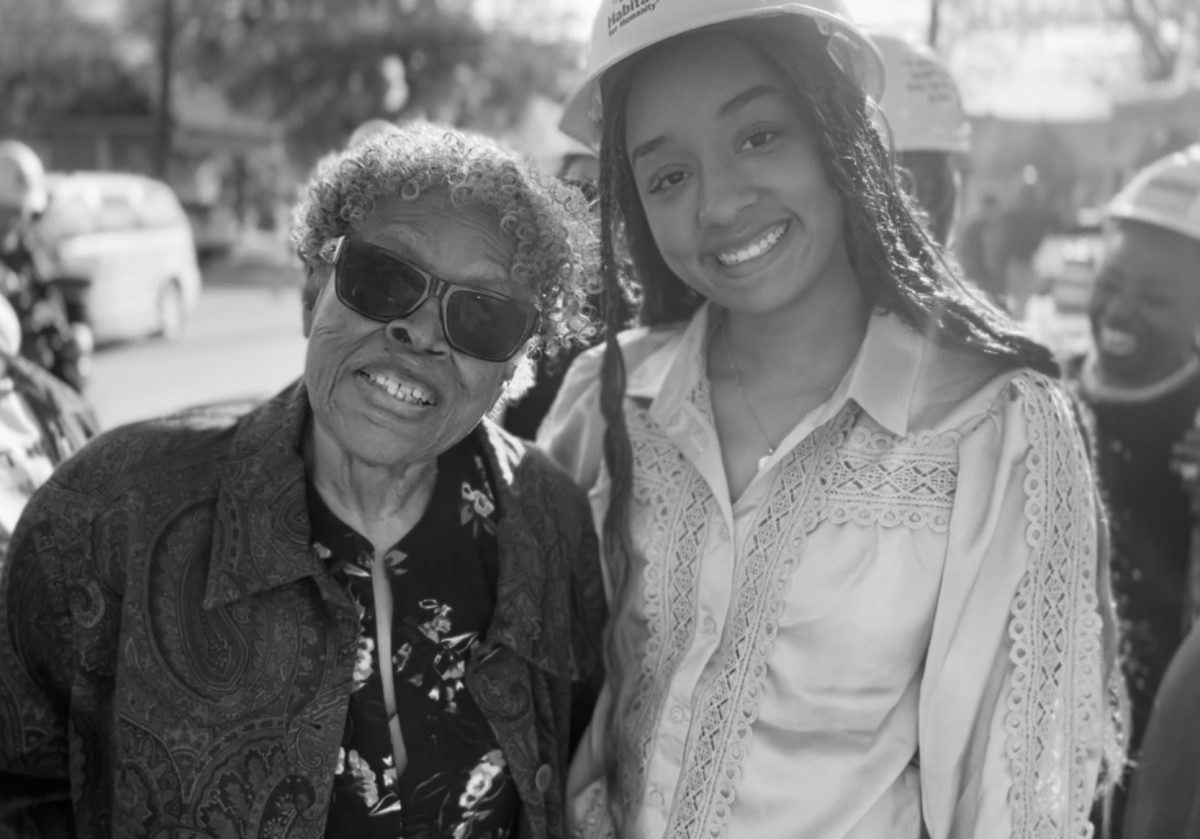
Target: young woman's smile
(730, 179)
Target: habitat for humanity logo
(626, 10)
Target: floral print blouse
(443, 575)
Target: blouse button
(656, 798)
(541, 778)
(710, 625)
(678, 714)
(723, 531)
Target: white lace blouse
(893, 633)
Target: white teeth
(403, 391)
(755, 249)
(1116, 342)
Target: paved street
(243, 340)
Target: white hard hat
(625, 27)
(370, 128)
(1165, 194)
(22, 178)
(922, 105)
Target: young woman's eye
(666, 180)
(759, 138)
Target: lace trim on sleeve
(1053, 709)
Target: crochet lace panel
(874, 478)
(671, 514)
(1054, 710)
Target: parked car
(214, 228)
(1067, 260)
(123, 252)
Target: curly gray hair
(556, 253)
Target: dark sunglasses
(381, 286)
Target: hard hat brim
(577, 121)
(1164, 194)
(1174, 224)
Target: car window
(159, 207)
(71, 211)
(116, 210)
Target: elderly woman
(361, 609)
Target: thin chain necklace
(737, 377)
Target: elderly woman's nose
(421, 328)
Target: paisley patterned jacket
(175, 660)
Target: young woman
(850, 530)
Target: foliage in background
(317, 67)
(1167, 31)
(54, 62)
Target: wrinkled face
(397, 393)
(1145, 306)
(730, 180)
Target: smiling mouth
(1116, 342)
(405, 392)
(755, 249)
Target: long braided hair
(900, 269)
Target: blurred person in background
(1164, 800)
(49, 338)
(849, 527)
(979, 250)
(360, 610)
(922, 118)
(42, 423)
(1141, 385)
(579, 167)
(924, 124)
(1024, 223)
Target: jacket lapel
(261, 534)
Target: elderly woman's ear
(315, 279)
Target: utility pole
(166, 50)
(934, 22)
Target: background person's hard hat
(22, 178)
(625, 27)
(1165, 194)
(922, 107)
(370, 128)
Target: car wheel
(170, 312)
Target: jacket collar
(882, 379)
(262, 537)
(524, 591)
(261, 534)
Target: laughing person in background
(360, 610)
(1142, 385)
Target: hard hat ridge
(624, 28)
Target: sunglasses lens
(377, 285)
(487, 327)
